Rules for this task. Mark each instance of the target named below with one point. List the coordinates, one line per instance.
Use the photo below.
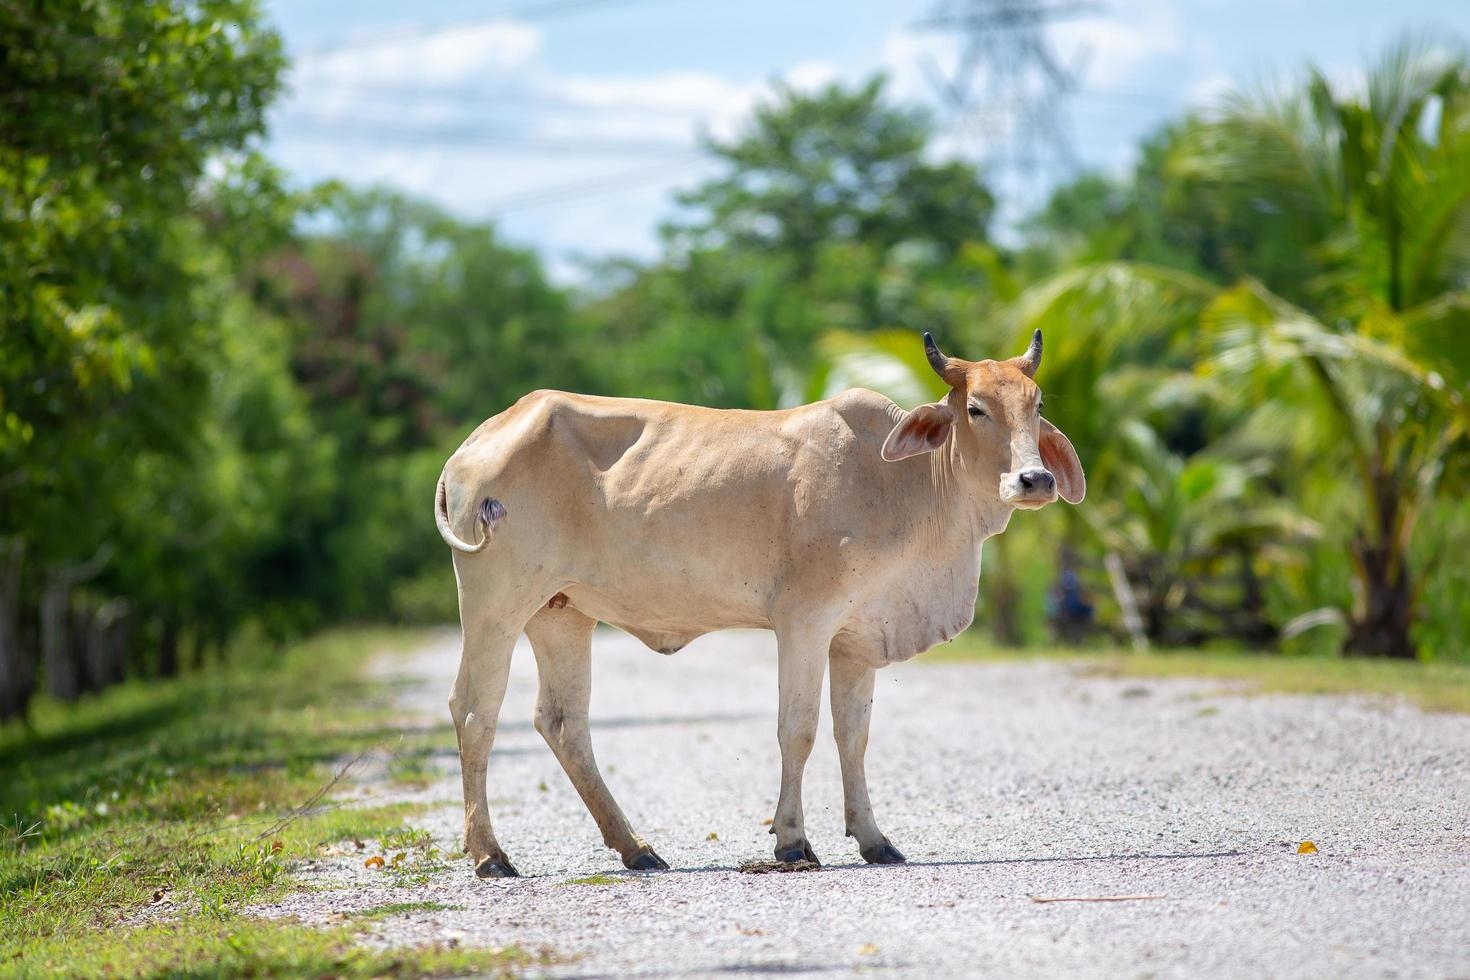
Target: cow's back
(672, 518)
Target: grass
(404, 908)
(1432, 686)
(135, 826)
(256, 948)
(595, 880)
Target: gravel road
(1000, 782)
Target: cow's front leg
(852, 710)
(802, 655)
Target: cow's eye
(976, 412)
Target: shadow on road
(877, 869)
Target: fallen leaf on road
(1042, 899)
(767, 822)
(1306, 847)
(373, 862)
(867, 949)
(713, 836)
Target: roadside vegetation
(139, 824)
(224, 399)
(1436, 686)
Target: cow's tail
(490, 513)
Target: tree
(829, 214)
(1341, 393)
(109, 112)
(836, 166)
(1378, 330)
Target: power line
(539, 10)
(479, 98)
(368, 130)
(582, 189)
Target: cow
(849, 527)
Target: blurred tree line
(223, 403)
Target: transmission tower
(1007, 88)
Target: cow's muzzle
(1033, 487)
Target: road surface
(1001, 782)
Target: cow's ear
(922, 431)
(1058, 456)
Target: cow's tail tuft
(490, 513)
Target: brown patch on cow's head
(993, 416)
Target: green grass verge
(1433, 686)
(193, 795)
(256, 948)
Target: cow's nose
(1037, 481)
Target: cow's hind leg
(802, 660)
(475, 706)
(852, 709)
(562, 640)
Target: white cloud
(1208, 89)
(468, 54)
(418, 112)
(414, 113)
(1113, 49)
(812, 76)
(671, 106)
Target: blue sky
(573, 129)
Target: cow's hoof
(496, 868)
(884, 853)
(645, 860)
(797, 852)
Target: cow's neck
(963, 499)
(934, 598)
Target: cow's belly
(667, 612)
(687, 566)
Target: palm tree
(1325, 394)
(1372, 345)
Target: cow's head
(993, 416)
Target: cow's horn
(937, 361)
(1031, 360)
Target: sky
(572, 123)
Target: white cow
(849, 527)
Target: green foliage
(110, 111)
(120, 438)
(186, 786)
(1322, 344)
(837, 166)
